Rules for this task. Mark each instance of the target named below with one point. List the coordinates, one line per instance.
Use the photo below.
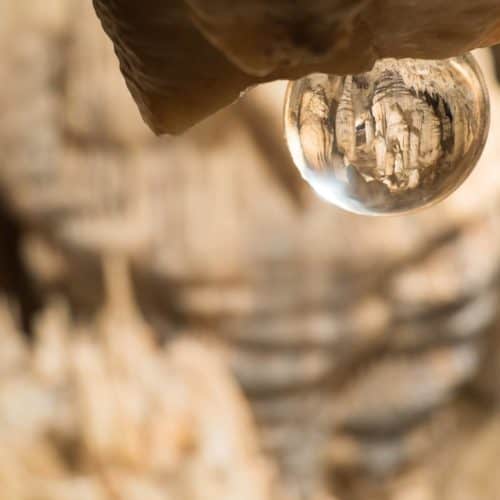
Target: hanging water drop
(400, 137)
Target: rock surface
(185, 59)
(85, 415)
(366, 348)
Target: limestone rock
(354, 339)
(99, 411)
(184, 59)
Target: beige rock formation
(355, 340)
(184, 59)
(86, 415)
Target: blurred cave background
(182, 319)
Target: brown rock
(184, 59)
(99, 411)
(353, 338)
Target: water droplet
(400, 137)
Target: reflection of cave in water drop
(394, 139)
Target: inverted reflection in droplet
(397, 138)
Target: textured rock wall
(96, 411)
(368, 349)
